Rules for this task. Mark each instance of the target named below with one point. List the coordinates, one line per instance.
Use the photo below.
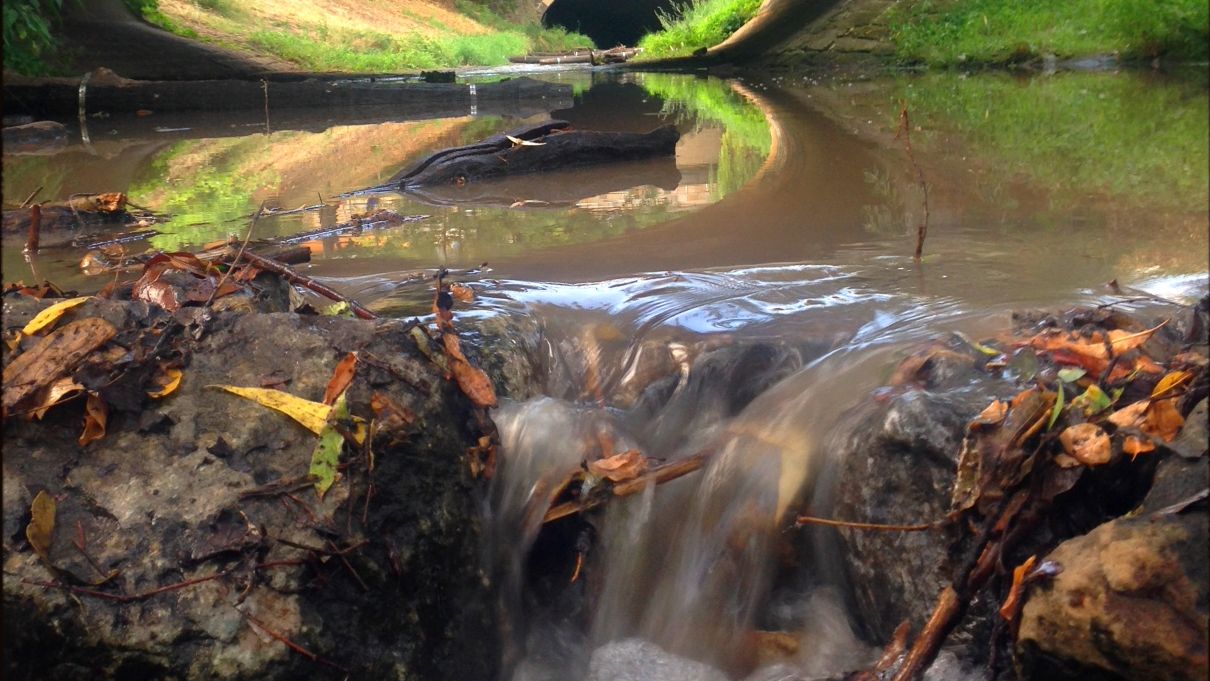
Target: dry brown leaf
(619, 467)
(1087, 443)
(41, 529)
(992, 415)
(474, 383)
(1163, 420)
(1130, 415)
(462, 293)
(54, 356)
(1135, 445)
(96, 414)
(453, 347)
(342, 376)
(1012, 603)
(60, 391)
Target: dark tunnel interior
(609, 22)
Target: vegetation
(950, 32)
(697, 24)
(1124, 135)
(28, 38)
(482, 37)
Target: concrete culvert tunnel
(608, 22)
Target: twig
(126, 598)
(922, 228)
(288, 643)
(657, 476)
(306, 282)
(31, 196)
(80, 544)
(242, 248)
(264, 85)
(919, 527)
(35, 229)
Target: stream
(743, 300)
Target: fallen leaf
(453, 347)
(474, 383)
(342, 376)
(341, 309)
(59, 391)
(1130, 415)
(167, 381)
(619, 467)
(54, 356)
(312, 415)
(1135, 445)
(425, 345)
(50, 315)
(1163, 420)
(1092, 401)
(1071, 375)
(991, 415)
(41, 529)
(462, 293)
(1012, 603)
(326, 457)
(1167, 384)
(1123, 341)
(1087, 443)
(96, 415)
(1058, 409)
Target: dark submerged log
(498, 155)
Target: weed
(701, 23)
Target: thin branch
(918, 527)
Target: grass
(1128, 135)
(952, 32)
(338, 36)
(699, 24)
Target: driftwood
(614, 55)
(111, 93)
(534, 149)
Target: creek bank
(103, 91)
(205, 497)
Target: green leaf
(1071, 374)
(326, 456)
(1092, 401)
(1058, 409)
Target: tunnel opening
(609, 22)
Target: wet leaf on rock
(1092, 401)
(60, 391)
(96, 415)
(991, 415)
(342, 376)
(50, 315)
(619, 467)
(1169, 383)
(312, 415)
(474, 383)
(53, 357)
(462, 293)
(1012, 604)
(326, 457)
(41, 529)
(166, 380)
(1087, 443)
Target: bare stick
(306, 282)
(242, 248)
(657, 476)
(31, 196)
(123, 598)
(922, 229)
(35, 229)
(919, 527)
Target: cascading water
(688, 566)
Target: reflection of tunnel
(608, 22)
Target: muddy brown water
(788, 216)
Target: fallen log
(106, 91)
(536, 149)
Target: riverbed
(788, 220)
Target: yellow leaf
(51, 314)
(174, 380)
(41, 529)
(1171, 382)
(312, 415)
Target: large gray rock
(161, 498)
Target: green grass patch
(330, 50)
(1127, 135)
(541, 39)
(951, 32)
(701, 23)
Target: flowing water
(741, 300)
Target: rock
(1130, 603)
(905, 451)
(162, 498)
(634, 659)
